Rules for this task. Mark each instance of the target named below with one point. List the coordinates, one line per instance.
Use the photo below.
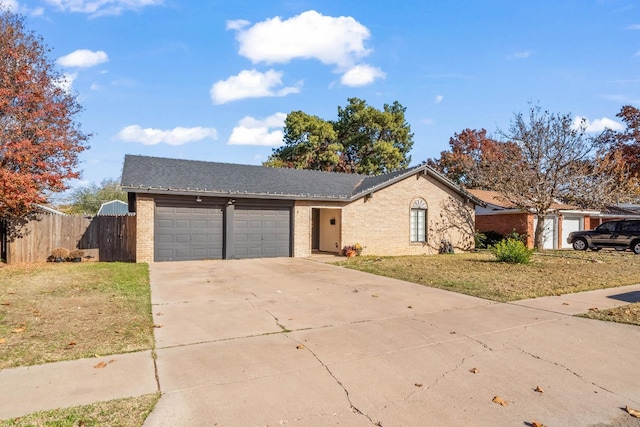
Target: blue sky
(214, 80)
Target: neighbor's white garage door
(569, 224)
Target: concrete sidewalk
(75, 382)
(269, 342)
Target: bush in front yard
(512, 250)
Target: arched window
(419, 221)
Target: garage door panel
(262, 232)
(188, 232)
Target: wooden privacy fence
(102, 238)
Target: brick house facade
(402, 213)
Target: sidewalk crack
(354, 408)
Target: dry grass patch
(626, 314)
(478, 274)
(51, 312)
(130, 412)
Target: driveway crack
(571, 371)
(354, 408)
(281, 326)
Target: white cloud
(83, 58)
(597, 125)
(237, 24)
(250, 84)
(519, 55)
(102, 7)
(177, 136)
(251, 131)
(310, 35)
(9, 4)
(633, 27)
(361, 75)
(438, 99)
(65, 82)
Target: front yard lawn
(51, 312)
(480, 275)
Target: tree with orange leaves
(626, 143)
(39, 140)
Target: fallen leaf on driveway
(565, 303)
(155, 325)
(100, 365)
(474, 370)
(499, 401)
(418, 385)
(71, 344)
(299, 346)
(374, 295)
(159, 313)
(594, 309)
(539, 389)
(409, 306)
(537, 424)
(633, 412)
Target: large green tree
(362, 140)
(39, 139)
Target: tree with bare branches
(555, 160)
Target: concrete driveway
(289, 341)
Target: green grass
(629, 314)
(52, 312)
(480, 275)
(130, 412)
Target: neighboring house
(189, 210)
(611, 213)
(114, 208)
(503, 217)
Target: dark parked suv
(620, 235)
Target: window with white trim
(418, 221)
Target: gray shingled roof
(178, 176)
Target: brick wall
(145, 208)
(506, 223)
(302, 231)
(382, 223)
(302, 225)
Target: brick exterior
(145, 209)
(505, 223)
(302, 231)
(380, 223)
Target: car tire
(580, 245)
(635, 247)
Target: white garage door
(550, 234)
(569, 224)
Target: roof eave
(229, 194)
